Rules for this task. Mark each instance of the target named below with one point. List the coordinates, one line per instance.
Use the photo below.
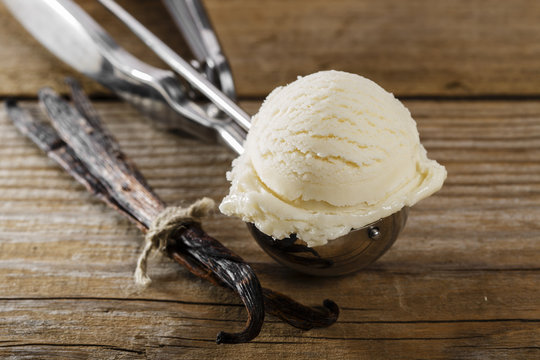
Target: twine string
(170, 220)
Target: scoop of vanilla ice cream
(328, 153)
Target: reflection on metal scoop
(344, 255)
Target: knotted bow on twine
(170, 220)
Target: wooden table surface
(463, 280)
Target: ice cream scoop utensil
(70, 33)
(340, 256)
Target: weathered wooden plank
(461, 282)
(153, 329)
(417, 47)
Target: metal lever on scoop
(190, 17)
(179, 65)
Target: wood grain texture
(412, 48)
(462, 282)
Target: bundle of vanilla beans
(78, 142)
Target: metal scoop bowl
(341, 256)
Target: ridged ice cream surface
(326, 154)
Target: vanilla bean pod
(47, 139)
(94, 158)
(104, 160)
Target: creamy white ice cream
(328, 153)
